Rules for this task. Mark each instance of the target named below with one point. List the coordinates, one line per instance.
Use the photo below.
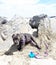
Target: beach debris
(45, 54)
(32, 55)
(37, 56)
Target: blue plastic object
(31, 55)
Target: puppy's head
(16, 38)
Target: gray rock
(3, 20)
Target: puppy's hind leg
(34, 44)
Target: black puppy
(23, 39)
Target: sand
(15, 57)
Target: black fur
(23, 39)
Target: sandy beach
(15, 57)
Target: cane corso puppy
(23, 39)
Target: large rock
(36, 20)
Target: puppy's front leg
(21, 45)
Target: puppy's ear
(13, 35)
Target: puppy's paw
(19, 49)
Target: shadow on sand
(12, 49)
(35, 34)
